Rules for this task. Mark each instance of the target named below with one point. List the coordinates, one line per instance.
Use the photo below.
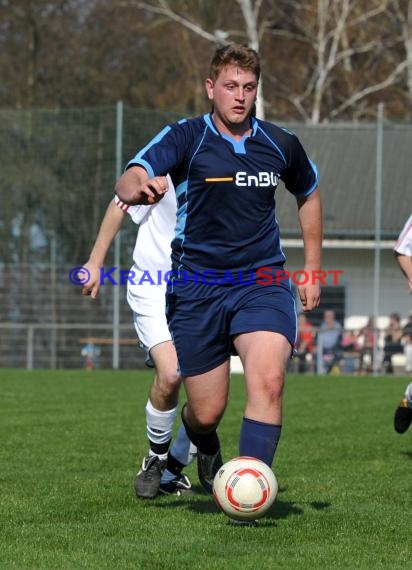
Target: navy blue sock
(259, 440)
(207, 443)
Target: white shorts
(148, 305)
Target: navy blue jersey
(225, 191)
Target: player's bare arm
(135, 187)
(310, 219)
(111, 224)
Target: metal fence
(80, 345)
(41, 346)
(47, 323)
(58, 169)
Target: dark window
(333, 297)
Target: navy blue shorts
(203, 319)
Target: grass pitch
(71, 442)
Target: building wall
(358, 279)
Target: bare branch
(366, 16)
(390, 80)
(250, 17)
(164, 10)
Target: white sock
(408, 394)
(407, 349)
(159, 424)
(161, 456)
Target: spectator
(330, 336)
(393, 344)
(350, 350)
(91, 353)
(305, 342)
(366, 345)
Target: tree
(348, 56)
(251, 29)
(322, 60)
(37, 39)
(403, 18)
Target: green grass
(71, 440)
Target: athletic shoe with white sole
(147, 480)
(180, 485)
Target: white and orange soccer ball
(245, 488)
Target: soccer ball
(245, 488)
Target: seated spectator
(366, 346)
(350, 341)
(305, 342)
(393, 342)
(350, 351)
(329, 338)
(407, 344)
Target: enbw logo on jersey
(244, 180)
(261, 180)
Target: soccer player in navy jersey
(228, 292)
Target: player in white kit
(403, 254)
(403, 251)
(160, 471)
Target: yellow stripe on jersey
(219, 179)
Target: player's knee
(205, 424)
(271, 385)
(206, 420)
(168, 383)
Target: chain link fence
(58, 170)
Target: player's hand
(309, 296)
(134, 187)
(92, 287)
(153, 190)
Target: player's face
(233, 94)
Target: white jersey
(156, 230)
(151, 262)
(404, 243)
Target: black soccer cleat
(147, 480)
(180, 485)
(403, 416)
(207, 467)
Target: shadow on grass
(201, 503)
(407, 454)
(206, 506)
(319, 505)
